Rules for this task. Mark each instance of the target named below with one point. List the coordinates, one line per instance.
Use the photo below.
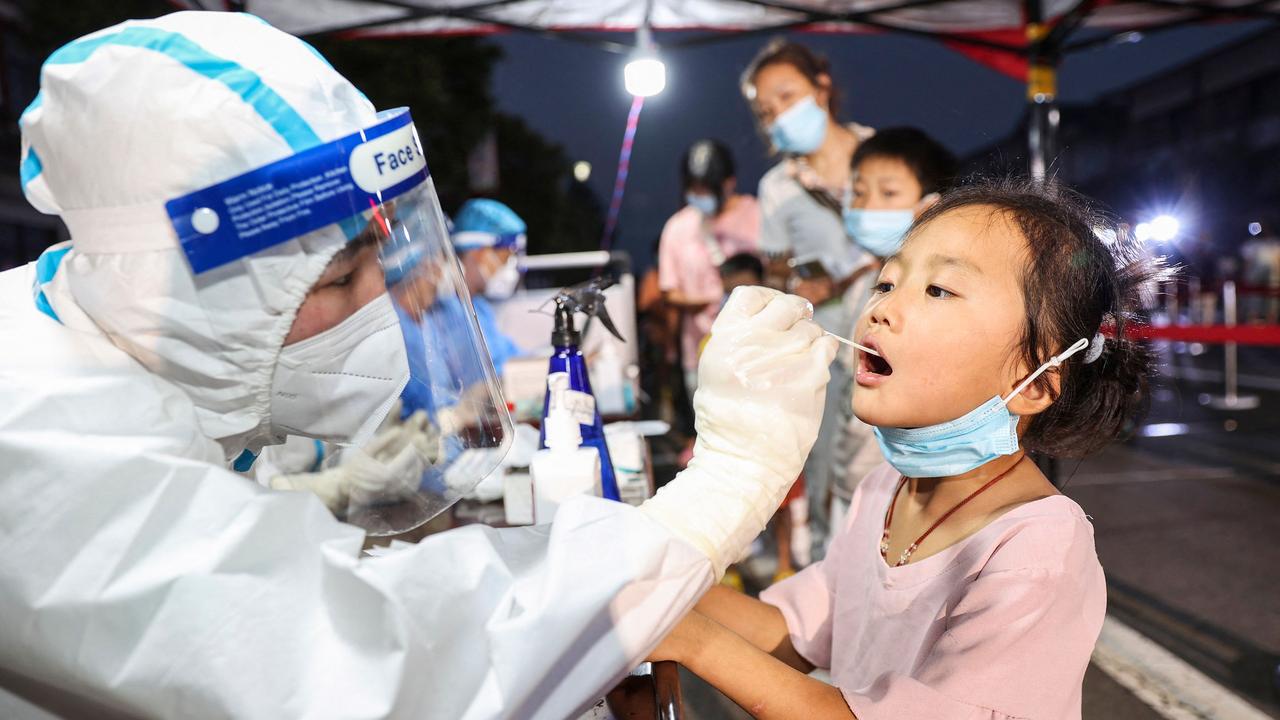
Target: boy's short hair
(742, 262)
(933, 165)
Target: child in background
(897, 174)
(963, 584)
(716, 221)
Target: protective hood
(106, 148)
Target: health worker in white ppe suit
(236, 209)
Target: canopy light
(645, 76)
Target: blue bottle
(568, 359)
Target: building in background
(1200, 142)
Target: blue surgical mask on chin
(705, 204)
(800, 129)
(970, 441)
(879, 232)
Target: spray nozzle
(588, 298)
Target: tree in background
(534, 179)
(445, 84)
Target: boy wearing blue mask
(898, 174)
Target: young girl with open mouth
(963, 584)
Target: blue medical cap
(482, 222)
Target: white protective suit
(139, 576)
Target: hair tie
(1095, 348)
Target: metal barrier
(1230, 334)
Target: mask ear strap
(1054, 361)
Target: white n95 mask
(502, 284)
(340, 384)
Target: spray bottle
(587, 298)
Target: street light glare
(582, 171)
(1142, 231)
(645, 76)
(1255, 229)
(1165, 228)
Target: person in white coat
(235, 207)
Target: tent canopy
(1000, 33)
(1024, 39)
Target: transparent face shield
(391, 372)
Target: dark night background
(885, 80)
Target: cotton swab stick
(851, 343)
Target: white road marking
(1164, 681)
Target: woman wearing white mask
(795, 102)
(715, 223)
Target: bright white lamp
(1165, 228)
(645, 76)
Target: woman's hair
(1084, 274)
(781, 51)
(932, 164)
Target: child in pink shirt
(963, 586)
(716, 223)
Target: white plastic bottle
(565, 468)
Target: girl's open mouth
(872, 370)
(877, 365)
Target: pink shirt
(686, 262)
(999, 625)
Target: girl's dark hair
(933, 165)
(1084, 273)
(781, 51)
(707, 162)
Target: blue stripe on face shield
(272, 108)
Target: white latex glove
(388, 468)
(761, 386)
